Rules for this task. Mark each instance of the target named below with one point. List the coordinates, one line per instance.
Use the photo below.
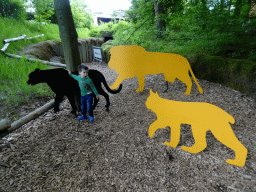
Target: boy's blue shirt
(86, 85)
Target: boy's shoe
(82, 118)
(91, 119)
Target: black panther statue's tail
(97, 77)
(107, 87)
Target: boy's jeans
(86, 104)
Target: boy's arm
(72, 75)
(93, 88)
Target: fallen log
(5, 47)
(37, 60)
(14, 39)
(35, 36)
(5, 124)
(16, 124)
(7, 41)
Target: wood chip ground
(55, 152)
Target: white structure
(119, 14)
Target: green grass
(14, 90)
(83, 33)
(14, 75)
(14, 72)
(10, 28)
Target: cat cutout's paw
(139, 90)
(170, 144)
(235, 162)
(184, 148)
(167, 144)
(193, 149)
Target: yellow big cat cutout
(131, 60)
(202, 117)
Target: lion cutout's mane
(131, 60)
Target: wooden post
(68, 34)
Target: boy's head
(83, 71)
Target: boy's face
(84, 73)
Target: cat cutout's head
(152, 100)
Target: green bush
(12, 8)
(94, 32)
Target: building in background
(117, 15)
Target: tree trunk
(204, 2)
(238, 7)
(68, 34)
(159, 12)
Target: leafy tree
(44, 10)
(81, 15)
(140, 10)
(12, 8)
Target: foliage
(83, 32)
(44, 10)
(94, 32)
(98, 31)
(140, 10)
(209, 26)
(81, 15)
(12, 8)
(14, 73)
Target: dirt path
(55, 152)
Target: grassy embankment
(14, 90)
(238, 74)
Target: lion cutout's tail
(194, 77)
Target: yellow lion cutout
(131, 60)
(202, 117)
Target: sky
(107, 6)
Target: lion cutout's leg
(175, 136)
(186, 79)
(141, 80)
(168, 78)
(199, 134)
(118, 81)
(230, 140)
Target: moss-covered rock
(106, 50)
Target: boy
(87, 89)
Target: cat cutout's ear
(152, 93)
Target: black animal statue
(62, 84)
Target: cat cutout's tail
(199, 88)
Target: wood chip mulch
(56, 152)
